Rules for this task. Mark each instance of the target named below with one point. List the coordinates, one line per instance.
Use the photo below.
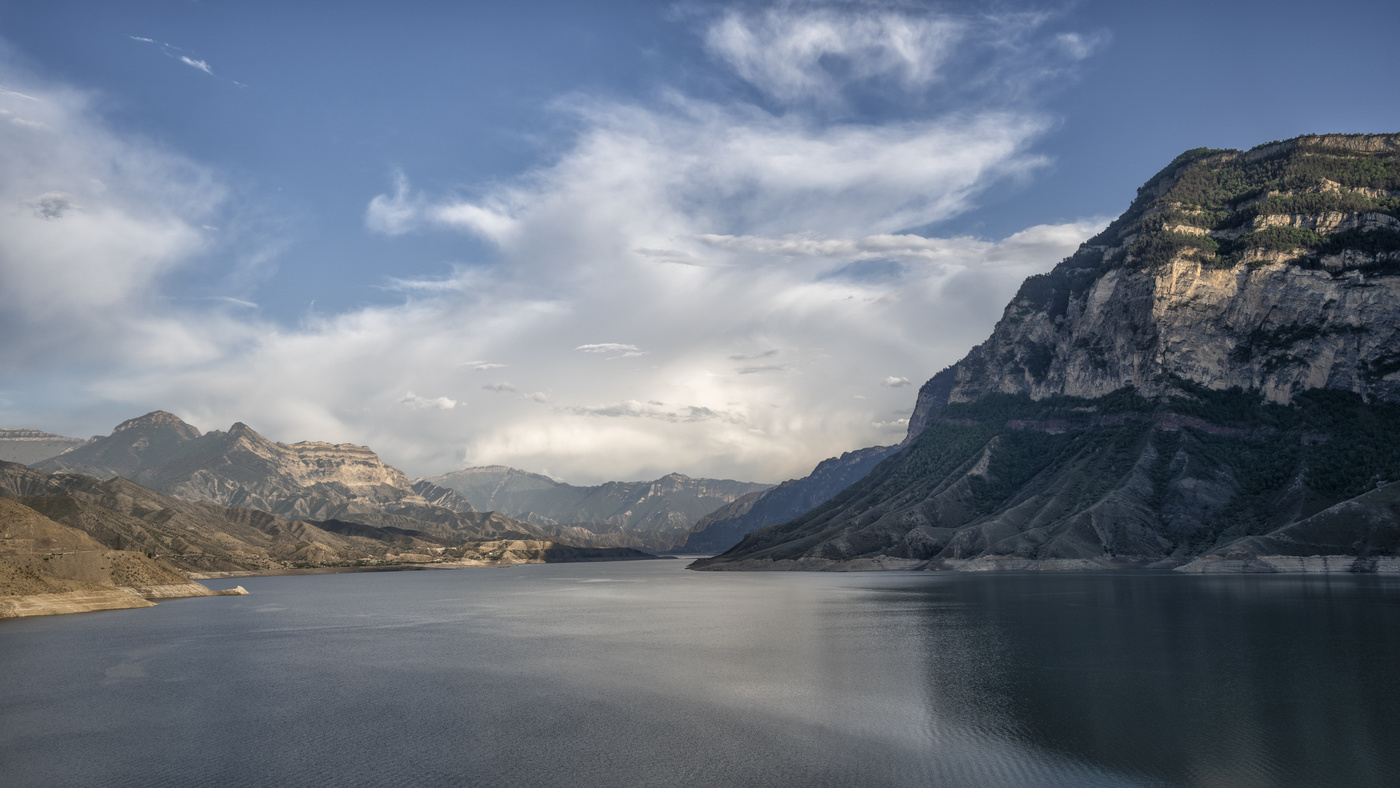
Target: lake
(646, 674)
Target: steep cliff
(1205, 378)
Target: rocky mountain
(304, 481)
(723, 528)
(1213, 381)
(47, 567)
(32, 446)
(205, 538)
(656, 515)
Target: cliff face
(1216, 374)
(657, 514)
(1271, 270)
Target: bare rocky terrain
(1212, 383)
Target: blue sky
(597, 240)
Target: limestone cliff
(1214, 376)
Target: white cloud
(612, 350)
(810, 53)
(199, 64)
(95, 222)
(440, 403)
(709, 235)
(895, 383)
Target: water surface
(643, 673)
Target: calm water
(647, 674)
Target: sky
(595, 240)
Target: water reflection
(646, 674)
(1236, 681)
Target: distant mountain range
(305, 481)
(726, 526)
(656, 515)
(1212, 383)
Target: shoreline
(1205, 565)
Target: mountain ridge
(1203, 380)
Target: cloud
(97, 221)
(199, 64)
(612, 349)
(752, 356)
(708, 232)
(762, 368)
(499, 387)
(637, 410)
(812, 53)
(440, 403)
(396, 214)
(895, 383)
(52, 205)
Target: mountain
(47, 567)
(1212, 382)
(656, 515)
(723, 528)
(303, 481)
(32, 446)
(206, 538)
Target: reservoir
(646, 674)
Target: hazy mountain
(657, 515)
(304, 481)
(1216, 376)
(723, 528)
(204, 537)
(33, 446)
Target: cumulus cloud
(708, 233)
(895, 383)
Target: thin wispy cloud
(896, 383)
(612, 350)
(201, 65)
(177, 54)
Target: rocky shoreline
(93, 599)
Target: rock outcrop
(1215, 377)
